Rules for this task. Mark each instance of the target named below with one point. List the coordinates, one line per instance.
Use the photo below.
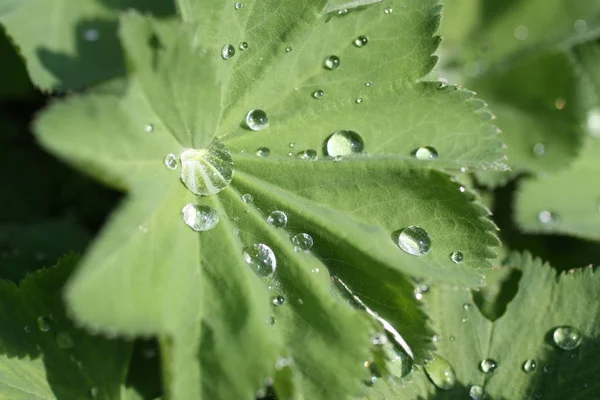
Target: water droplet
(343, 12)
(302, 242)
(388, 10)
(452, 338)
(207, 171)
(464, 319)
(548, 369)
(171, 162)
(476, 392)
(290, 154)
(310, 155)
(467, 307)
(261, 258)
(361, 41)
(560, 103)
(488, 365)
(426, 153)
(238, 6)
(278, 300)
(288, 49)
(359, 100)
(420, 290)
(435, 338)
(539, 149)
(263, 152)
(413, 240)
(593, 122)
(300, 301)
(292, 145)
(94, 392)
(580, 26)
(43, 324)
(332, 62)
(227, 52)
(27, 329)
(456, 257)
(64, 341)
(379, 339)
(318, 94)
(248, 198)
(91, 35)
(199, 218)
(243, 46)
(278, 219)
(521, 32)
(547, 217)
(344, 143)
(149, 128)
(529, 365)
(567, 337)
(441, 373)
(315, 270)
(369, 84)
(443, 84)
(257, 119)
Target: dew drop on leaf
(388, 10)
(369, 84)
(278, 219)
(257, 119)
(228, 52)
(263, 152)
(413, 240)
(420, 290)
(361, 41)
(539, 149)
(488, 365)
(292, 145)
(476, 392)
(243, 46)
(91, 35)
(206, 171)
(288, 49)
(547, 217)
(580, 26)
(344, 143)
(278, 300)
(302, 242)
(149, 128)
(199, 218)
(331, 62)
(238, 5)
(529, 366)
(43, 324)
(567, 337)
(171, 162)
(441, 373)
(64, 341)
(593, 122)
(467, 307)
(456, 257)
(359, 100)
(426, 153)
(548, 369)
(261, 259)
(248, 198)
(443, 84)
(318, 94)
(27, 329)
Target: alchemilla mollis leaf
(274, 153)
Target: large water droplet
(64, 341)
(227, 52)
(331, 62)
(199, 218)
(441, 373)
(361, 41)
(302, 242)
(43, 324)
(413, 240)
(456, 257)
(278, 219)
(426, 153)
(261, 258)
(529, 365)
(567, 337)
(476, 392)
(257, 119)
(171, 162)
(488, 365)
(318, 94)
(207, 171)
(310, 155)
(263, 152)
(344, 143)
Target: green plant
(306, 208)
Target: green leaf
(13, 77)
(149, 274)
(69, 45)
(544, 301)
(43, 355)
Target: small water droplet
(207, 171)
(476, 392)
(315, 270)
(278, 300)
(539, 149)
(292, 145)
(488, 365)
(452, 338)
(593, 122)
(290, 154)
(27, 329)
(464, 319)
(94, 392)
(529, 366)
(361, 41)
(149, 128)
(547, 217)
(560, 103)
(238, 5)
(369, 84)
(379, 339)
(521, 32)
(278, 219)
(420, 290)
(388, 10)
(443, 84)
(318, 94)
(441, 373)
(548, 369)
(227, 52)
(310, 155)
(263, 152)
(413, 240)
(199, 218)
(64, 341)
(456, 257)
(331, 62)
(343, 12)
(243, 46)
(288, 49)
(257, 119)
(426, 153)
(467, 306)
(261, 258)
(171, 162)
(580, 26)
(464, 170)
(43, 324)
(302, 242)
(359, 100)
(567, 337)
(91, 35)
(300, 301)
(248, 198)
(344, 143)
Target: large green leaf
(43, 355)
(66, 44)
(543, 302)
(149, 274)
